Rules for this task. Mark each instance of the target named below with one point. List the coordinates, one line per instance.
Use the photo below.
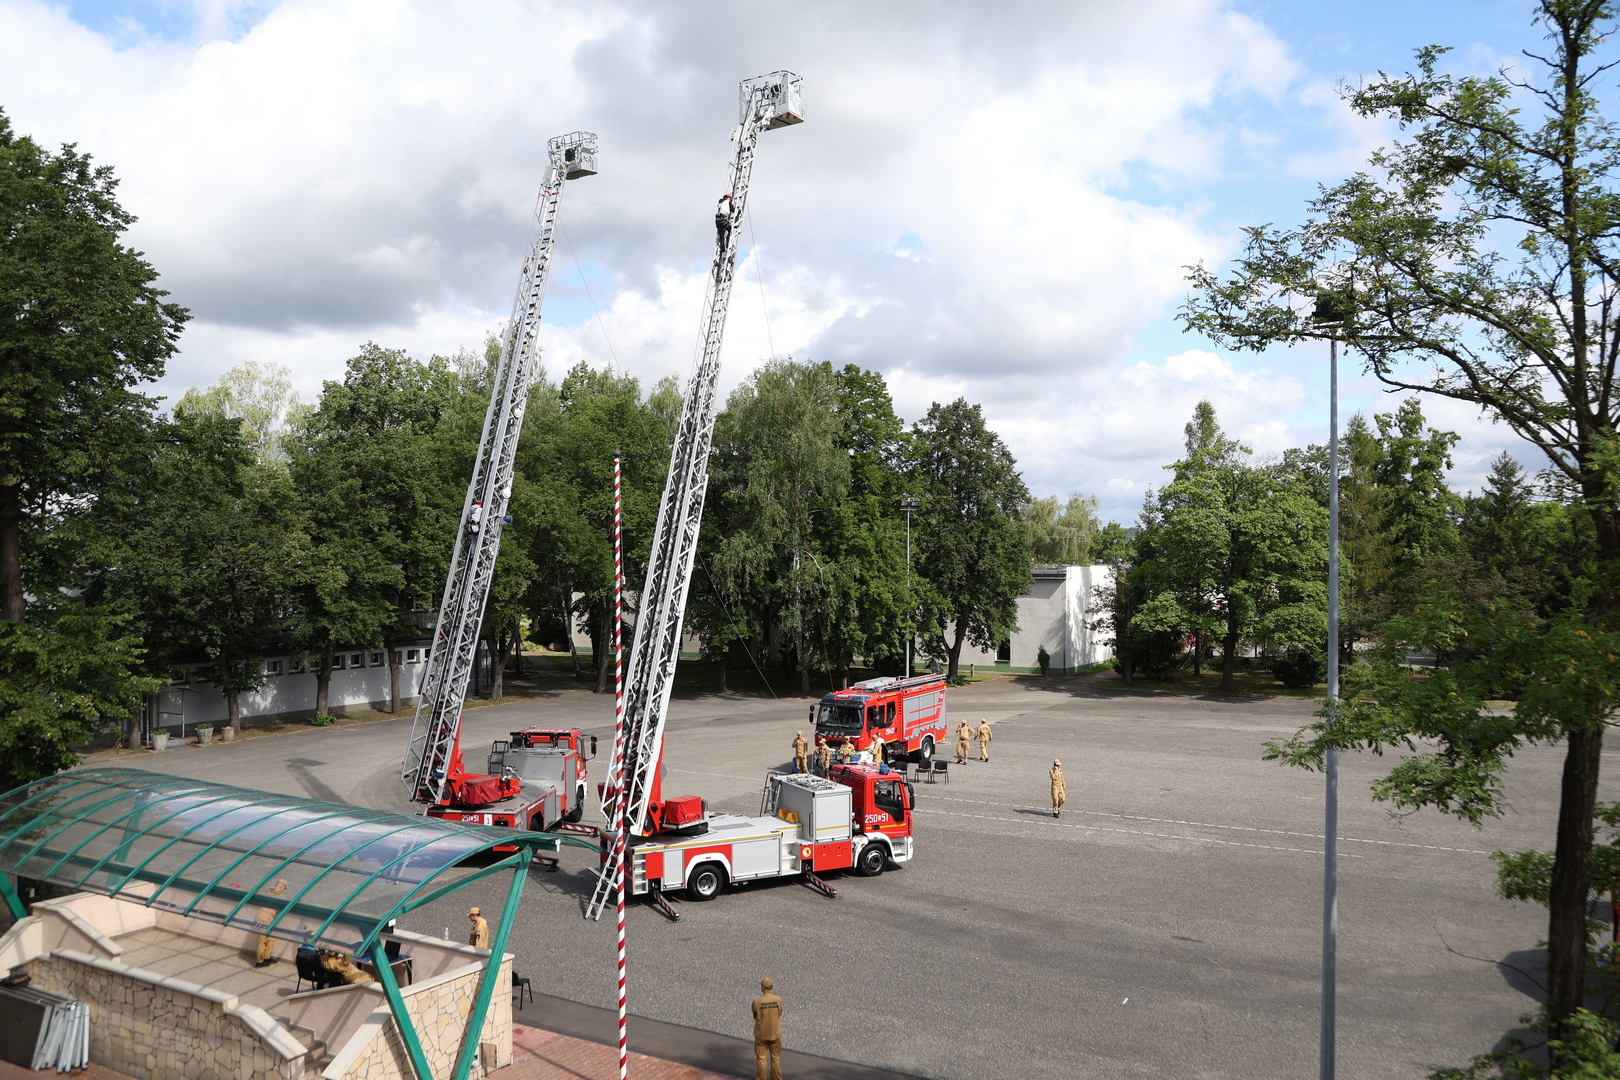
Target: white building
(1056, 614)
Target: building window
(399, 657)
(339, 662)
(1004, 652)
(274, 667)
(295, 667)
(377, 659)
(357, 659)
(412, 656)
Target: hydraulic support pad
(819, 885)
(658, 901)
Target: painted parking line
(1209, 825)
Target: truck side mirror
(911, 794)
(593, 746)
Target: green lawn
(1247, 682)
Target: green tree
(1236, 550)
(82, 326)
(972, 555)
(259, 394)
(1477, 260)
(1060, 533)
(363, 467)
(214, 562)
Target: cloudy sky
(993, 200)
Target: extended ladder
(768, 101)
(478, 539)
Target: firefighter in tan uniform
(801, 753)
(343, 967)
(876, 748)
(1057, 787)
(479, 938)
(767, 1009)
(824, 753)
(964, 739)
(267, 943)
(984, 740)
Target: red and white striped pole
(619, 800)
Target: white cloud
(983, 200)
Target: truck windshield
(838, 719)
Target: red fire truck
(536, 781)
(908, 713)
(858, 817)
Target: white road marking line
(1208, 825)
(1138, 832)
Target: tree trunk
(954, 649)
(1229, 646)
(602, 649)
(1198, 653)
(497, 681)
(323, 682)
(722, 666)
(233, 711)
(393, 678)
(568, 628)
(12, 606)
(1571, 876)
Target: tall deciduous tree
(261, 395)
(1479, 260)
(972, 553)
(82, 326)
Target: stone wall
(439, 1008)
(153, 1027)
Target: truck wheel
(706, 882)
(537, 823)
(871, 861)
(925, 753)
(579, 806)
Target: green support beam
(14, 902)
(492, 974)
(396, 1005)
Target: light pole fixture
(1331, 312)
(910, 505)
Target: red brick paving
(544, 1055)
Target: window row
(344, 661)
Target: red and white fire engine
(537, 780)
(857, 817)
(908, 713)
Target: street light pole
(908, 504)
(1331, 312)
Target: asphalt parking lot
(1167, 926)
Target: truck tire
(707, 882)
(872, 859)
(537, 823)
(925, 752)
(579, 806)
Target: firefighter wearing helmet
(1057, 786)
(984, 740)
(964, 739)
(801, 753)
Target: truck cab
(909, 714)
(551, 764)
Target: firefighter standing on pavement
(964, 739)
(479, 938)
(767, 1009)
(824, 752)
(1057, 787)
(801, 753)
(877, 749)
(984, 740)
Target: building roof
(314, 872)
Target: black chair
(940, 771)
(519, 985)
(308, 963)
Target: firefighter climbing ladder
(768, 101)
(478, 540)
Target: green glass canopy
(313, 872)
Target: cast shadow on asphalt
(1075, 690)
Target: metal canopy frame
(176, 844)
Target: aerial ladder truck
(550, 788)
(674, 842)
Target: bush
(1299, 668)
(322, 719)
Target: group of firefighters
(965, 734)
